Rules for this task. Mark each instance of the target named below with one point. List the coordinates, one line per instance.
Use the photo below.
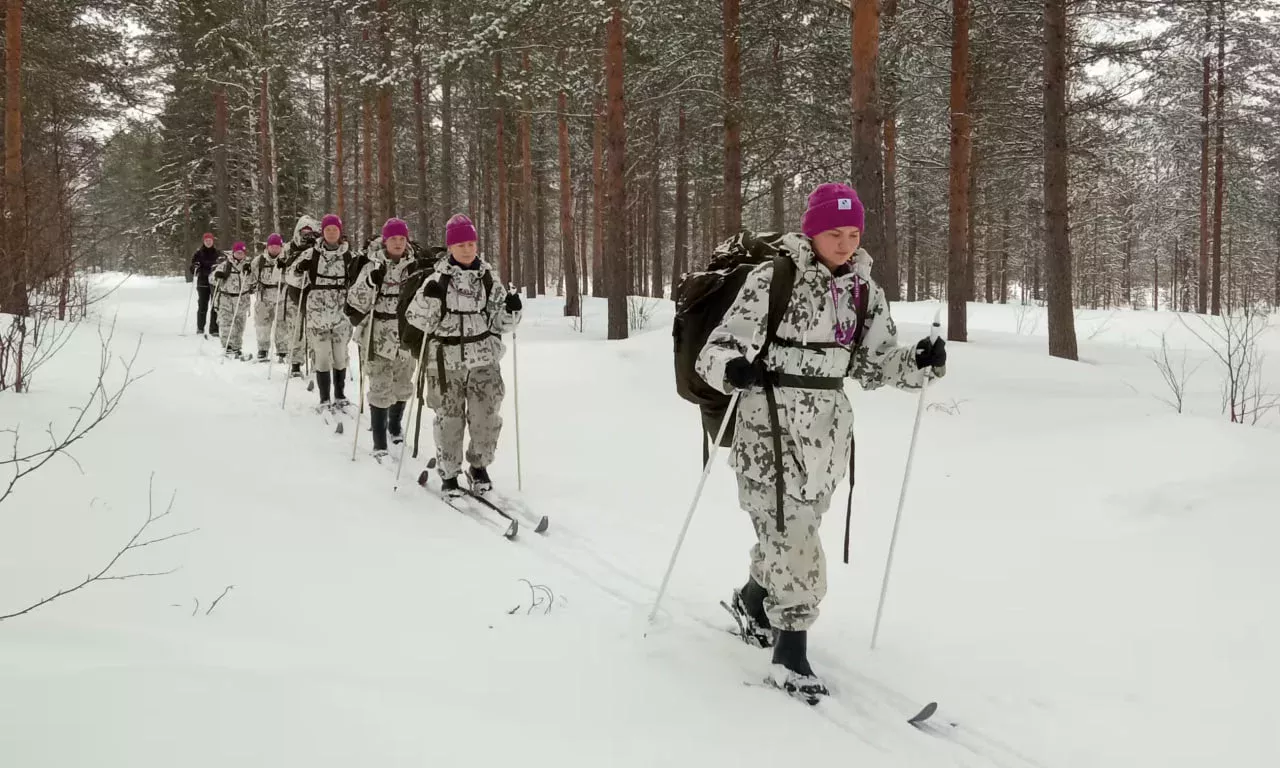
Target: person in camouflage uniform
(814, 349)
(235, 285)
(321, 273)
(267, 269)
(304, 237)
(371, 302)
(464, 311)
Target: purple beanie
(394, 228)
(274, 239)
(329, 220)
(237, 247)
(459, 230)
(832, 206)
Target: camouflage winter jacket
(298, 245)
(321, 272)
(267, 272)
(816, 424)
(233, 278)
(466, 328)
(363, 298)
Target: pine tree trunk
(473, 165)
(599, 276)
(13, 258)
(868, 163)
(958, 285)
(1004, 258)
(446, 146)
(339, 162)
(366, 140)
(890, 106)
(732, 118)
(386, 180)
(1062, 332)
(264, 145)
(540, 206)
(680, 263)
(617, 143)
(777, 186)
(420, 132)
(226, 227)
(913, 234)
(656, 281)
(1219, 182)
(328, 136)
(1202, 300)
(500, 155)
(526, 188)
(569, 264)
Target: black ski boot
(791, 671)
(280, 358)
(262, 356)
(295, 370)
(339, 384)
(395, 415)
(450, 487)
(323, 380)
(747, 608)
(478, 479)
(378, 422)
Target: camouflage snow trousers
(293, 338)
(329, 347)
(471, 400)
(390, 381)
(231, 332)
(264, 318)
(790, 565)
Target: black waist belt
(454, 341)
(232, 295)
(791, 381)
(328, 287)
(384, 315)
(812, 345)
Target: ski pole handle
(935, 332)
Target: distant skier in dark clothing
(202, 264)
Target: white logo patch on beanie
(844, 204)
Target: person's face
(273, 249)
(237, 255)
(396, 246)
(208, 242)
(332, 234)
(463, 253)
(836, 246)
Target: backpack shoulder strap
(780, 288)
(863, 308)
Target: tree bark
(226, 226)
(1219, 182)
(339, 162)
(13, 261)
(1004, 257)
(386, 180)
(599, 276)
(617, 142)
(540, 206)
(420, 132)
(868, 162)
(777, 186)
(913, 233)
(656, 282)
(569, 265)
(366, 141)
(1202, 300)
(264, 146)
(504, 255)
(446, 146)
(328, 136)
(732, 118)
(526, 188)
(680, 263)
(958, 285)
(890, 100)
(1062, 332)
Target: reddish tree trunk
(420, 133)
(892, 270)
(868, 163)
(504, 255)
(1219, 182)
(1062, 332)
(366, 140)
(13, 261)
(656, 282)
(526, 189)
(732, 118)
(328, 136)
(681, 257)
(1202, 301)
(339, 161)
(264, 161)
(599, 281)
(617, 143)
(220, 173)
(386, 181)
(572, 303)
(958, 284)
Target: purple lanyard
(845, 333)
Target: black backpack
(703, 298)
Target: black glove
(740, 373)
(433, 289)
(513, 303)
(377, 275)
(931, 354)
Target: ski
(505, 506)
(924, 714)
(460, 504)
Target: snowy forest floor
(1083, 577)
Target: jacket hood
(801, 251)
(305, 221)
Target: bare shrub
(1174, 373)
(1233, 339)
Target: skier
(321, 274)
(816, 345)
(267, 271)
(304, 236)
(373, 298)
(464, 311)
(235, 284)
(202, 263)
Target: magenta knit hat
(832, 206)
(394, 228)
(459, 230)
(274, 239)
(237, 247)
(331, 219)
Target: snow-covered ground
(1082, 578)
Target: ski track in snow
(1082, 576)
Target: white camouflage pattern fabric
(389, 368)
(235, 290)
(470, 314)
(470, 401)
(323, 305)
(790, 564)
(268, 274)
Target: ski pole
(275, 320)
(906, 478)
(364, 361)
(190, 295)
(515, 386)
(418, 372)
(706, 470)
(301, 323)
